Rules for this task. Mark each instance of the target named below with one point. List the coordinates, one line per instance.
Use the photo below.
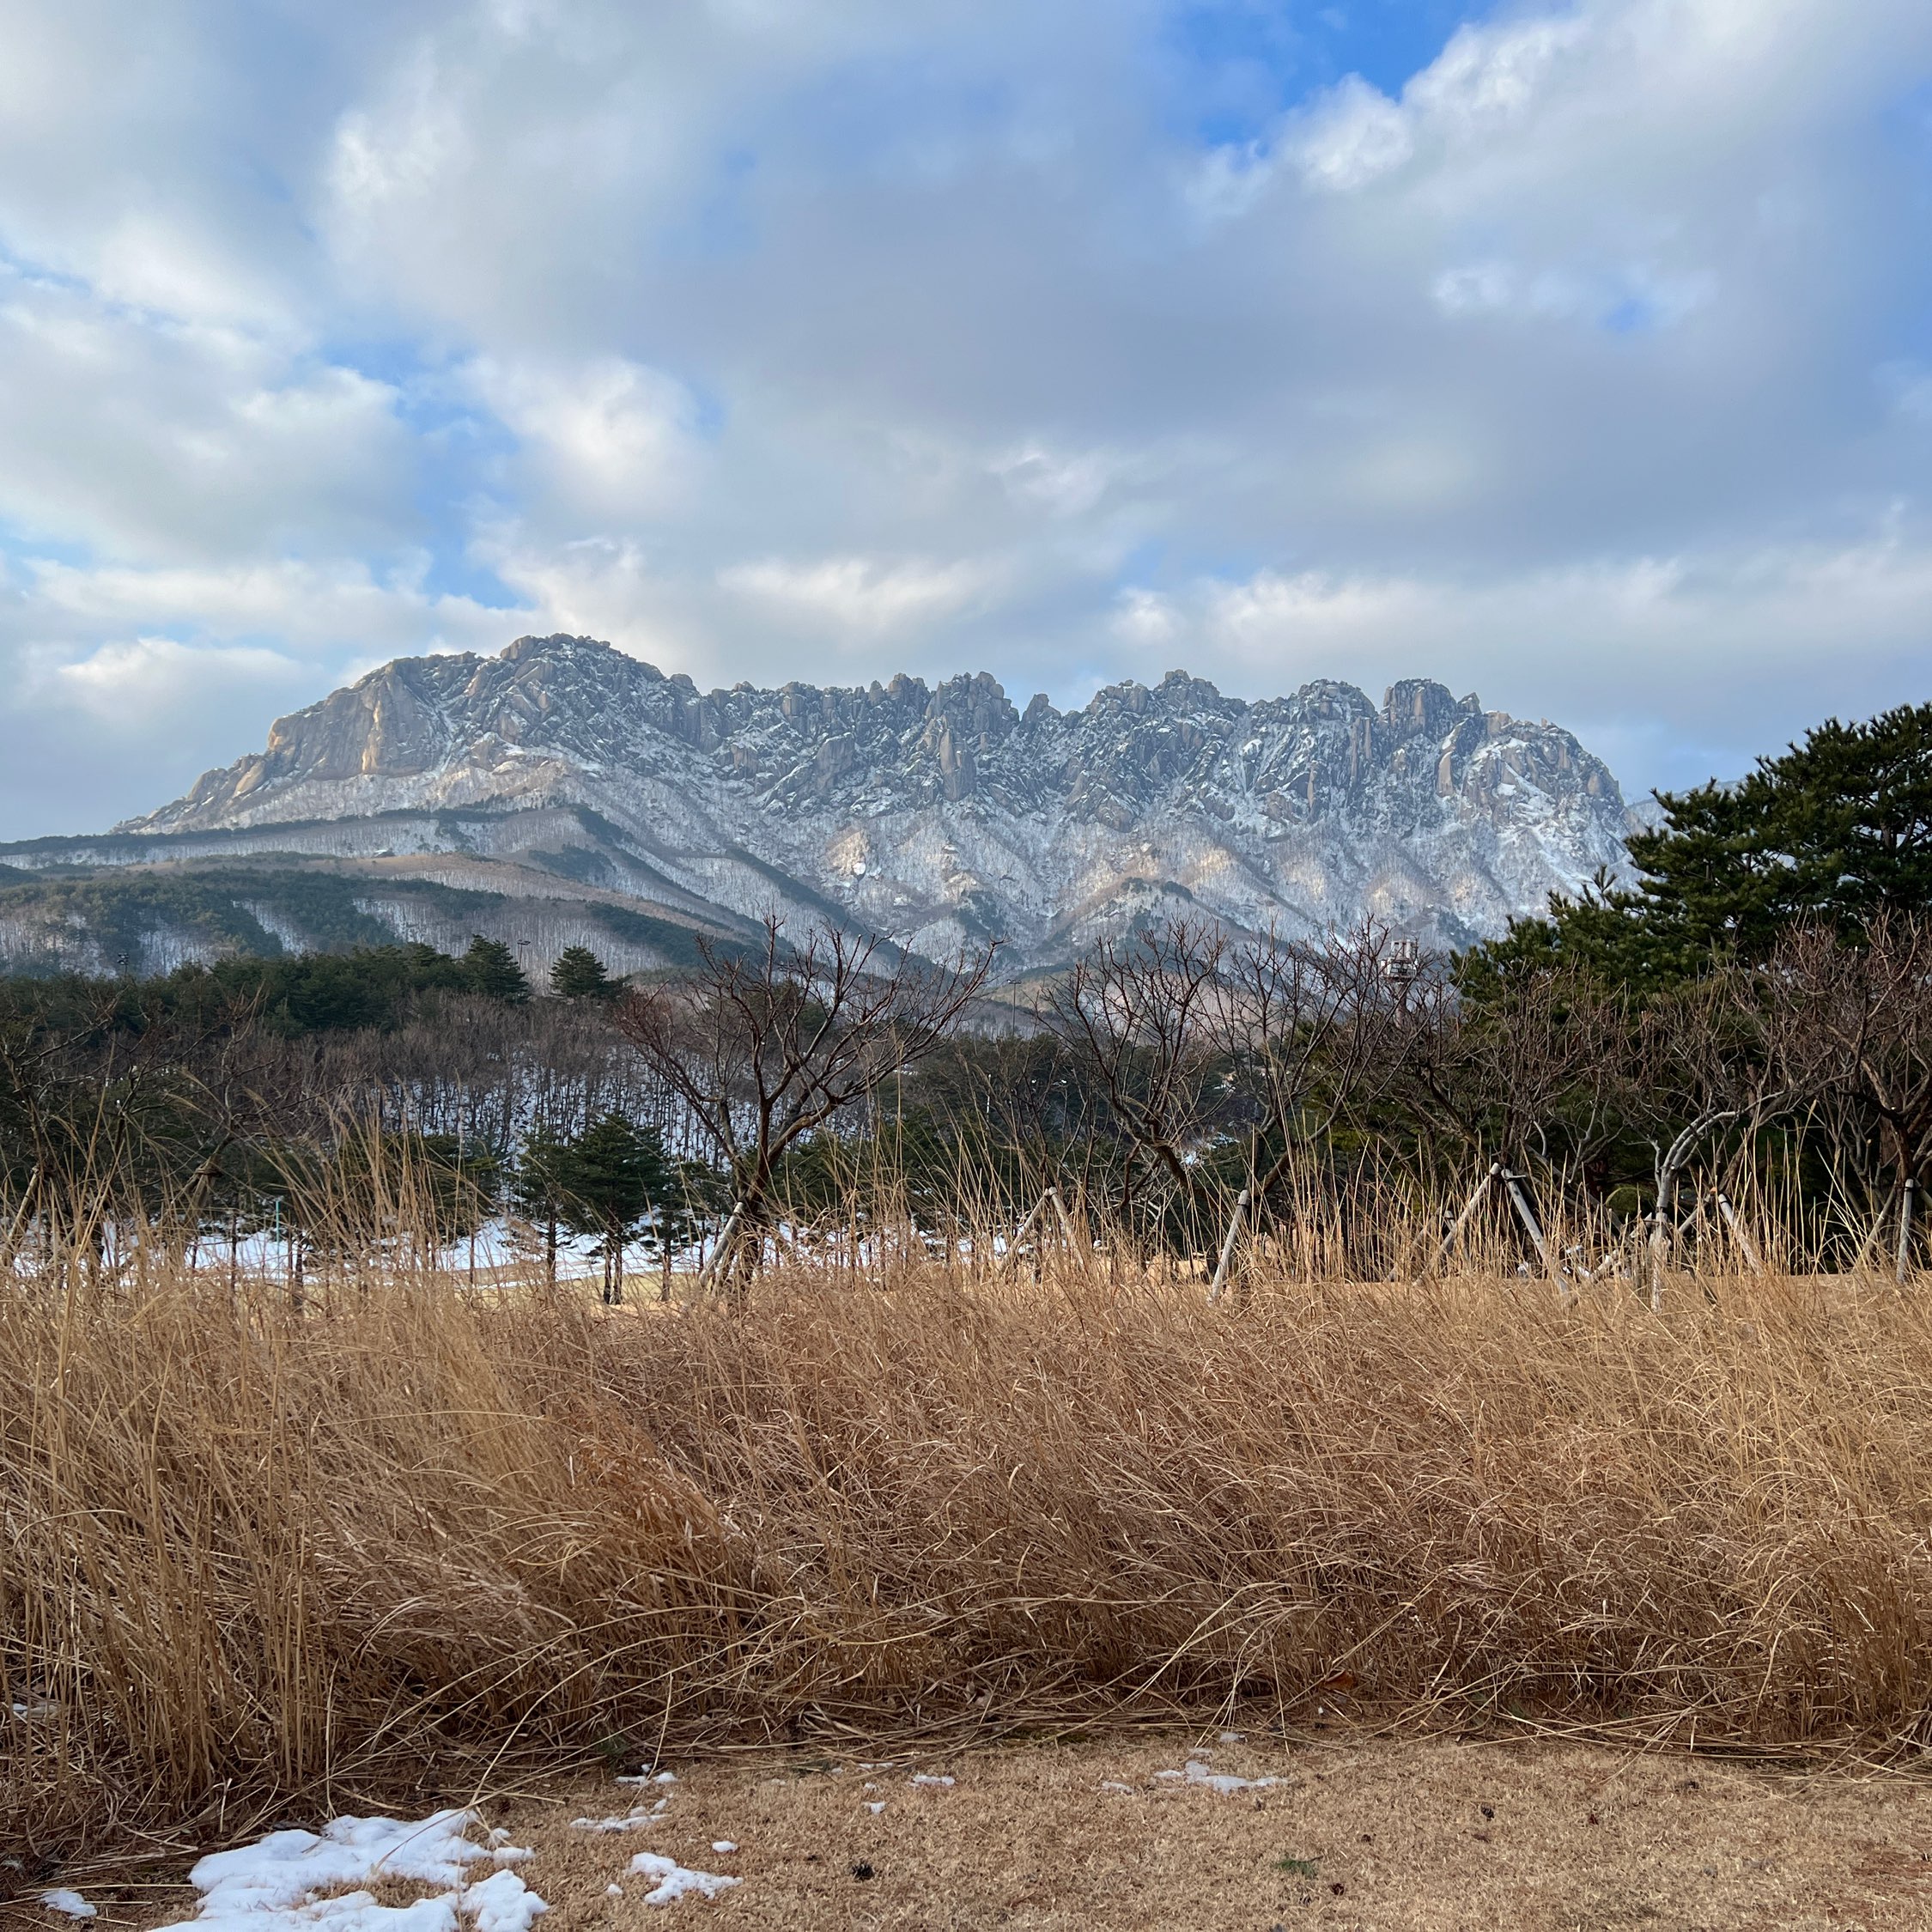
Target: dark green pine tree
(1837, 828)
(543, 1188)
(619, 1174)
(490, 967)
(579, 974)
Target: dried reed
(410, 1534)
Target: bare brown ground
(1359, 1831)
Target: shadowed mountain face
(937, 815)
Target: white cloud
(309, 607)
(600, 587)
(1627, 296)
(1487, 76)
(127, 684)
(1355, 135)
(606, 432)
(134, 434)
(860, 594)
(1063, 486)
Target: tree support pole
(1217, 1287)
(1011, 1256)
(1066, 1220)
(1906, 1197)
(1469, 1207)
(1527, 1215)
(726, 1239)
(1754, 1260)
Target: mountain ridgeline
(565, 771)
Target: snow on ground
(675, 1881)
(71, 1903)
(1198, 1773)
(631, 1821)
(315, 1881)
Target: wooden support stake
(1220, 1281)
(1025, 1227)
(1527, 1215)
(1469, 1207)
(1746, 1246)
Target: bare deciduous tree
(1142, 1010)
(1726, 1052)
(1866, 1013)
(1198, 1035)
(1533, 1070)
(765, 1045)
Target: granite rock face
(942, 814)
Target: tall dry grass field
(419, 1541)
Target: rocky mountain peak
(946, 809)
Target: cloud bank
(1575, 354)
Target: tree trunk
(1663, 1226)
(1661, 1231)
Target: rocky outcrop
(945, 813)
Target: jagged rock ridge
(938, 814)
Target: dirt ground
(1117, 1833)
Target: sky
(1579, 356)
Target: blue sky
(1579, 354)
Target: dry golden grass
(1401, 1834)
(417, 1541)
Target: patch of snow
(674, 1880)
(1114, 1784)
(631, 1821)
(875, 1805)
(651, 1777)
(613, 1892)
(42, 1709)
(503, 1903)
(924, 1777)
(71, 1903)
(299, 1878)
(723, 1844)
(1198, 1773)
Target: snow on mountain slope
(938, 815)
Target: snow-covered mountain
(936, 815)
